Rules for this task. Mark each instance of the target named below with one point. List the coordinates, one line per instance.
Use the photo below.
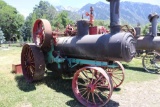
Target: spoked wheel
(33, 63)
(151, 62)
(116, 73)
(42, 34)
(92, 86)
(128, 28)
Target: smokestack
(114, 16)
(153, 19)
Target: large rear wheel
(33, 63)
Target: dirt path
(146, 94)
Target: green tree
(26, 28)
(145, 29)
(44, 10)
(158, 28)
(62, 20)
(10, 20)
(104, 23)
(2, 38)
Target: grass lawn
(16, 92)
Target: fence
(12, 44)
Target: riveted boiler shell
(103, 47)
(148, 43)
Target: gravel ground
(146, 94)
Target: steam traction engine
(91, 58)
(150, 44)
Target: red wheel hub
(91, 87)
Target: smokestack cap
(151, 16)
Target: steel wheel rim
(116, 74)
(27, 58)
(33, 65)
(92, 86)
(151, 62)
(42, 33)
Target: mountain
(137, 12)
(59, 8)
(130, 12)
(72, 12)
(68, 8)
(101, 10)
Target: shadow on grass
(139, 69)
(59, 85)
(65, 86)
(117, 89)
(23, 85)
(74, 103)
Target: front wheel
(92, 86)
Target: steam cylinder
(104, 47)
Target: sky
(26, 6)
